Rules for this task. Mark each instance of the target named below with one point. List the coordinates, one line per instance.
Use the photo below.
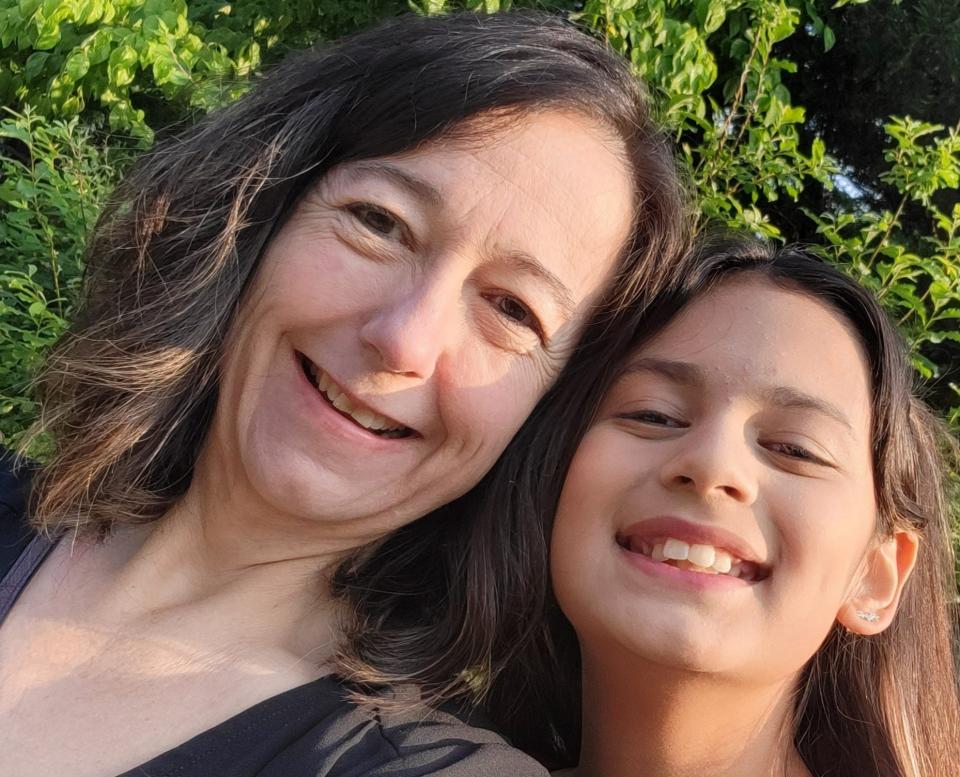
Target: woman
(751, 543)
(307, 322)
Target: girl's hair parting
(865, 706)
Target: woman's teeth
(695, 558)
(363, 416)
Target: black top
(313, 730)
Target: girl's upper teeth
(699, 557)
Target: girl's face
(410, 313)
(738, 439)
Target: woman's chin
(299, 483)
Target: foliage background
(834, 122)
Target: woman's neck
(656, 721)
(224, 561)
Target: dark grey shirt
(313, 730)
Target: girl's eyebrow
(687, 374)
(785, 396)
(683, 373)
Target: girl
(752, 540)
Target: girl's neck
(657, 721)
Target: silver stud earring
(869, 617)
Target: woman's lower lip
(333, 421)
(682, 578)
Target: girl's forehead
(748, 334)
(754, 320)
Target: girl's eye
(376, 219)
(515, 311)
(654, 418)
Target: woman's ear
(873, 602)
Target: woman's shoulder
(388, 738)
(450, 746)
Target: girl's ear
(873, 602)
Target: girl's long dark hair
(865, 706)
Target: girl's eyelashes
(379, 221)
(654, 418)
(797, 452)
(515, 312)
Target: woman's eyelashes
(382, 225)
(515, 312)
(380, 222)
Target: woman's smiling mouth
(349, 408)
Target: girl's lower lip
(333, 422)
(683, 578)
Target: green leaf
(122, 64)
(89, 11)
(48, 33)
(35, 64)
(711, 14)
(829, 38)
(939, 337)
(77, 65)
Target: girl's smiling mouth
(692, 549)
(350, 408)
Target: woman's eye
(654, 418)
(376, 219)
(514, 310)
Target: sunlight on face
(410, 314)
(716, 513)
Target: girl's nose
(713, 463)
(414, 326)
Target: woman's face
(411, 312)
(738, 439)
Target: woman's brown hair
(129, 392)
(865, 706)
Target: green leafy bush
(144, 63)
(53, 178)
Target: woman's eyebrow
(420, 188)
(526, 264)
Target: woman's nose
(413, 327)
(715, 463)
